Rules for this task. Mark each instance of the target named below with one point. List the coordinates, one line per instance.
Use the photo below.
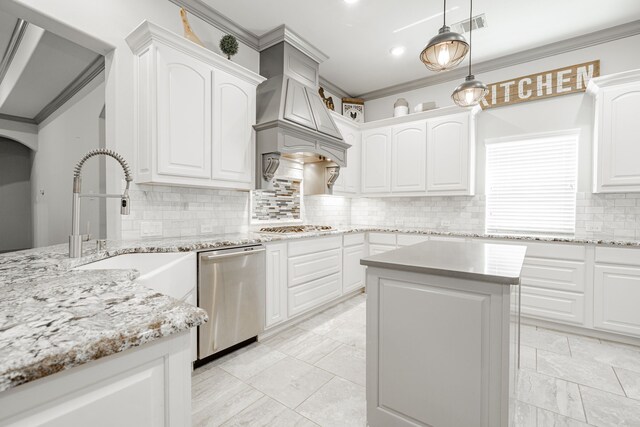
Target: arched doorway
(15, 196)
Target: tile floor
(313, 374)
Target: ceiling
(358, 37)
(52, 64)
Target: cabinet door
(618, 144)
(376, 161)
(233, 142)
(353, 272)
(408, 157)
(616, 296)
(276, 297)
(184, 115)
(449, 160)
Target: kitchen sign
(561, 81)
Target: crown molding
(282, 33)
(336, 90)
(148, 32)
(84, 78)
(216, 19)
(575, 43)
(17, 119)
(597, 83)
(12, 47)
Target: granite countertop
(486, 262)
(53, 317)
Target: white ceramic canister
(400, 108)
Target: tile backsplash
(280, 204)
(165, 211)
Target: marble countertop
(53, 317)
(487, 262)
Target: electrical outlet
(206, 228)
(445, 223)
(151, 228)
(594, 227)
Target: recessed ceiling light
(351, 1)
(397, 51)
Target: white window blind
(531, 184)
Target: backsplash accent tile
(280, 204)
(327, 210)
(186, 211)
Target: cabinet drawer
(554, 274)
(314, 245)
(353, 239)
(304, 268)
(629, 256)
(379, 249)
(382, 238)
(312, 294)
(545, 250)
(411, 239)
(547, 304)
(616, 296)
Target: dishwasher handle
(231, 255)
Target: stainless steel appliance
(231, 288)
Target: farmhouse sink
(172, 274)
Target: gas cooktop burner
(287, 229)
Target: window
(531, 184)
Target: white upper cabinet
(433, 155)
(616, 141)
(184, 115)
(194, 113)
(376, 164)
(450, 155)
(408, 157)
(348, 182)
(233, 142)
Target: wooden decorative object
(188, 32)
(558, 82)
(327, 101)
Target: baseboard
(578, 330)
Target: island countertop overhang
(486, 262)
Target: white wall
(102, 26)
(63, 139)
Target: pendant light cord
(444, 14)
(470, 31)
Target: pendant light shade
(446, 50)
(470, 92)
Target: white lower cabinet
(616, 297)
(557, 306)
(353, 274)
(305, 274)
(276, 292)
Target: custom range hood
(292, 120)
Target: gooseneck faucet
(76, 239)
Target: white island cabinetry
(412, 292)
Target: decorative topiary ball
(229, 45)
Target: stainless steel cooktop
(291, 229)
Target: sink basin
(173, 274)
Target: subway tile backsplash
(174, 211)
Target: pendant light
(471, 91)
(446, 50)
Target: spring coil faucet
(76, 239)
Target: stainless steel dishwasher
(231, 288)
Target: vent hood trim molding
(282, 33)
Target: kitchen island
(442, 334)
